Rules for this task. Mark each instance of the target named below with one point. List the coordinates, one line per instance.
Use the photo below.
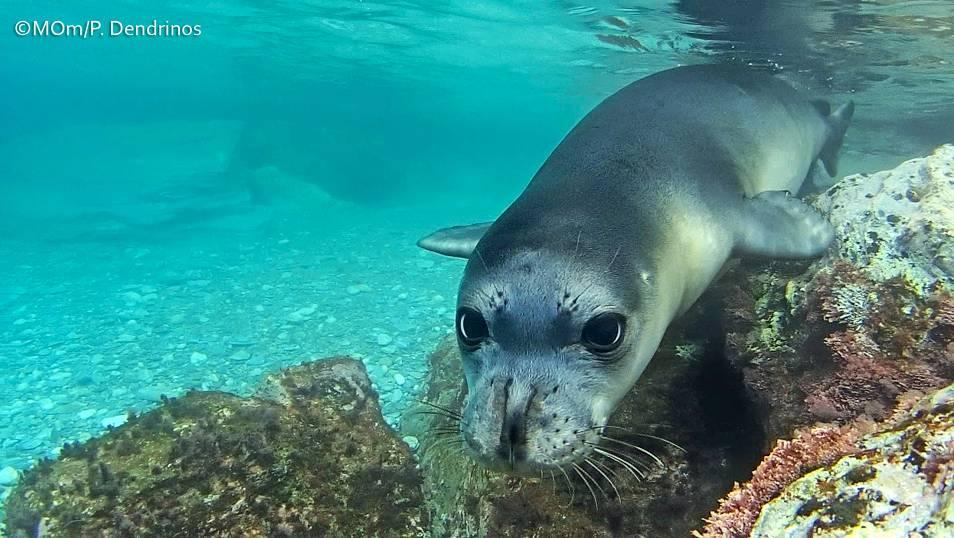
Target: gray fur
(634, 213)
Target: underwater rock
(895, 478)
(690, 403)
(845, 336)
(900, 482)
(9, 476)
(828, 349)
(310, 455)
(898, 223)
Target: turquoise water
(191, 212)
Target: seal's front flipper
(458, 241)
(778, 225)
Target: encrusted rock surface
(900, 222)
(314, 458)
(844, 336)
(828, 347)
(899, 482)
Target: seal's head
(549, 350)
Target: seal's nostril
(513, 439)
(516, 434)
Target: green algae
(212, 463)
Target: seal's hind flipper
(816, 181)
(779, 225)
(457, 241)
(837, 125)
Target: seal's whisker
(437, 414)
(590, 461)
(553, 481)
(595, 483)
(664, 440)
(593, 493)
(448, 439)
(636, 447)
(569, 483)
(448, 442)
(482, 261)
(440, 412)
(633, 470)
(440, 408)
(654, 425)
(607, 467)
(487, 268)
(486, 296)
(586, 289)
(614, 258)
(628, 457)
(637, 434)
(454, 447)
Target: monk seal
(566, 296)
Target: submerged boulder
(827, 349)
(898, 481)
(893, 478)
(844, 336)
(309, 456)
(898, 223)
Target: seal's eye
(471, 327)
(603, 333)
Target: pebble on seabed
(114, 421)
(411, 441)
(9, 476)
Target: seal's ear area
(778, 225)
(837, 125)
(457, 241)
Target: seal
(566, 296)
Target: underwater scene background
(196, 212)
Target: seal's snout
(513, 439)
(513, 400)
(522, 424)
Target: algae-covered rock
(900, 222)
(828, 348)
(898, 482)
(844, 336)
(694, 403)
(314, 460)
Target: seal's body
(566, 296)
